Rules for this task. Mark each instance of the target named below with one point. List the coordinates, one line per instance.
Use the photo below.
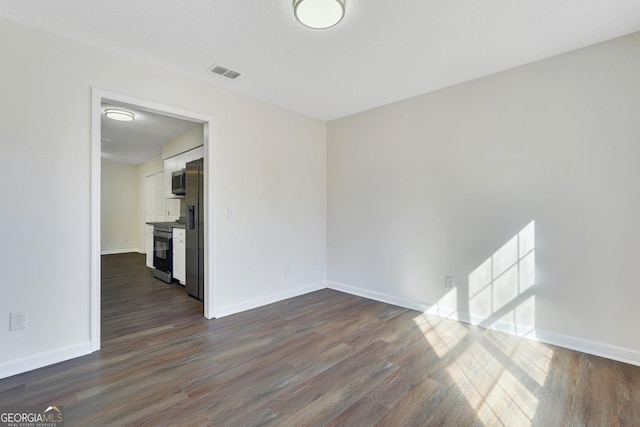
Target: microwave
(178, 182)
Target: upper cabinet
(195, 154)
(176, 163)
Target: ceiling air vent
(224, 71)
(232, 74)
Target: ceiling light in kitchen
(120, 115)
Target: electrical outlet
(18, 320)
(449, 282)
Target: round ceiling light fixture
(319, 14)
(120, 115)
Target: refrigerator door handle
(191, 217)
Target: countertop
(172, 224)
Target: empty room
(320, 212)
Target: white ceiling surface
(383, 51)
(140, 140)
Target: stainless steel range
(163, 251)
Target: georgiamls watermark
(31, 416)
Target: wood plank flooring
(322, 359)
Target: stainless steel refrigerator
(194, 197)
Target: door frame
(97, 97)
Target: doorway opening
(99, 99)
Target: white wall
(120, 225)
(185, 142)
(273, 172)
(150, 167)
(436, 184)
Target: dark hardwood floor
(322, 359)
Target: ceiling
(382, 51)
(137, 141)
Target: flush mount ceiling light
(120, 115)
(318, 14)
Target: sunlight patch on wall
(497, 286)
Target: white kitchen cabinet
(179, 254)
(150, 198)
(195, 154)
(154, 210)
(148, 244)
(159, 208)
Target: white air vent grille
(221, 70)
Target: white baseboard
(29, 363)
(608, 351)
(121, 251)
(377, 296)
(269, 299)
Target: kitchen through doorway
(147, 146)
